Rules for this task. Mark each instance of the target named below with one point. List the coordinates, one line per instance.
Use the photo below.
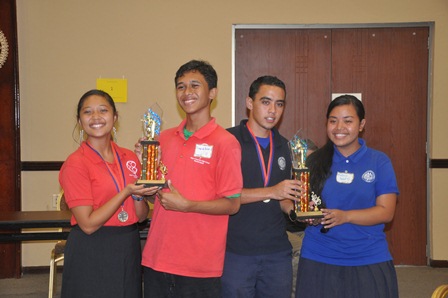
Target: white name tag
(203, 150)
(345, 178)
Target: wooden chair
(440, 292)
(57, 253)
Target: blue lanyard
(110, 172)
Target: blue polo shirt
(355, 183)
(259, 228)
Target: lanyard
(265, 172)
(117, 162)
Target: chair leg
(52, 275)
(55, 259)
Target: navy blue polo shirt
(259, 228)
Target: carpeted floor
(413, 282)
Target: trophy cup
(302, 210)
(152, 167)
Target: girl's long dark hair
(319, 162)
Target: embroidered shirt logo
(368, 176)
(200, 161)
(132, 167)
(282, 163)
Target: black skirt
(106, 263)
(315, 279)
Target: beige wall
(64, 46)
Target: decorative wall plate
(3, 49)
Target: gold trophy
(153, 170)
(303, 210)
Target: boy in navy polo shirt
(258, 255)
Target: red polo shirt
(86, 181)
(205, 167)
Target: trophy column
(150, 159)
(150, 164)
(303, 175)
(303, 210)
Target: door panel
(279, 51)
(388, 66)
(301, 59)
(312, 87)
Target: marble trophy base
(151, 183)
(309, 215)
(293, 216)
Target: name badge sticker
(345, 178)
(203, 151)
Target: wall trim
(40, 269)
(56, 165)
(438, 263)
(41, 165)
(438, 163)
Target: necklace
(122, 215)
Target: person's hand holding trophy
(153, 170)
(307, 207)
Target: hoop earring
(81, 136)
(114, 134)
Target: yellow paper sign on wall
(117, 88)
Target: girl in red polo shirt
(102, 255)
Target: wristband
(136, 198)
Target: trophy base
(309, 215)
(151, 183)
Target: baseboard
(40, 270)
(438, 263)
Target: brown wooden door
(10, 255)
(302, 59)
(388, 66)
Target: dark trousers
(165, 285)
(263, 276)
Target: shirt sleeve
(387, 181)
(229, 177)
(76, 183)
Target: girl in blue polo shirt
(346, 254)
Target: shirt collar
(248, 138)
(201, 133)
(95, 158)
(355, 157)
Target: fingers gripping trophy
(153, 170)
(303, 209)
